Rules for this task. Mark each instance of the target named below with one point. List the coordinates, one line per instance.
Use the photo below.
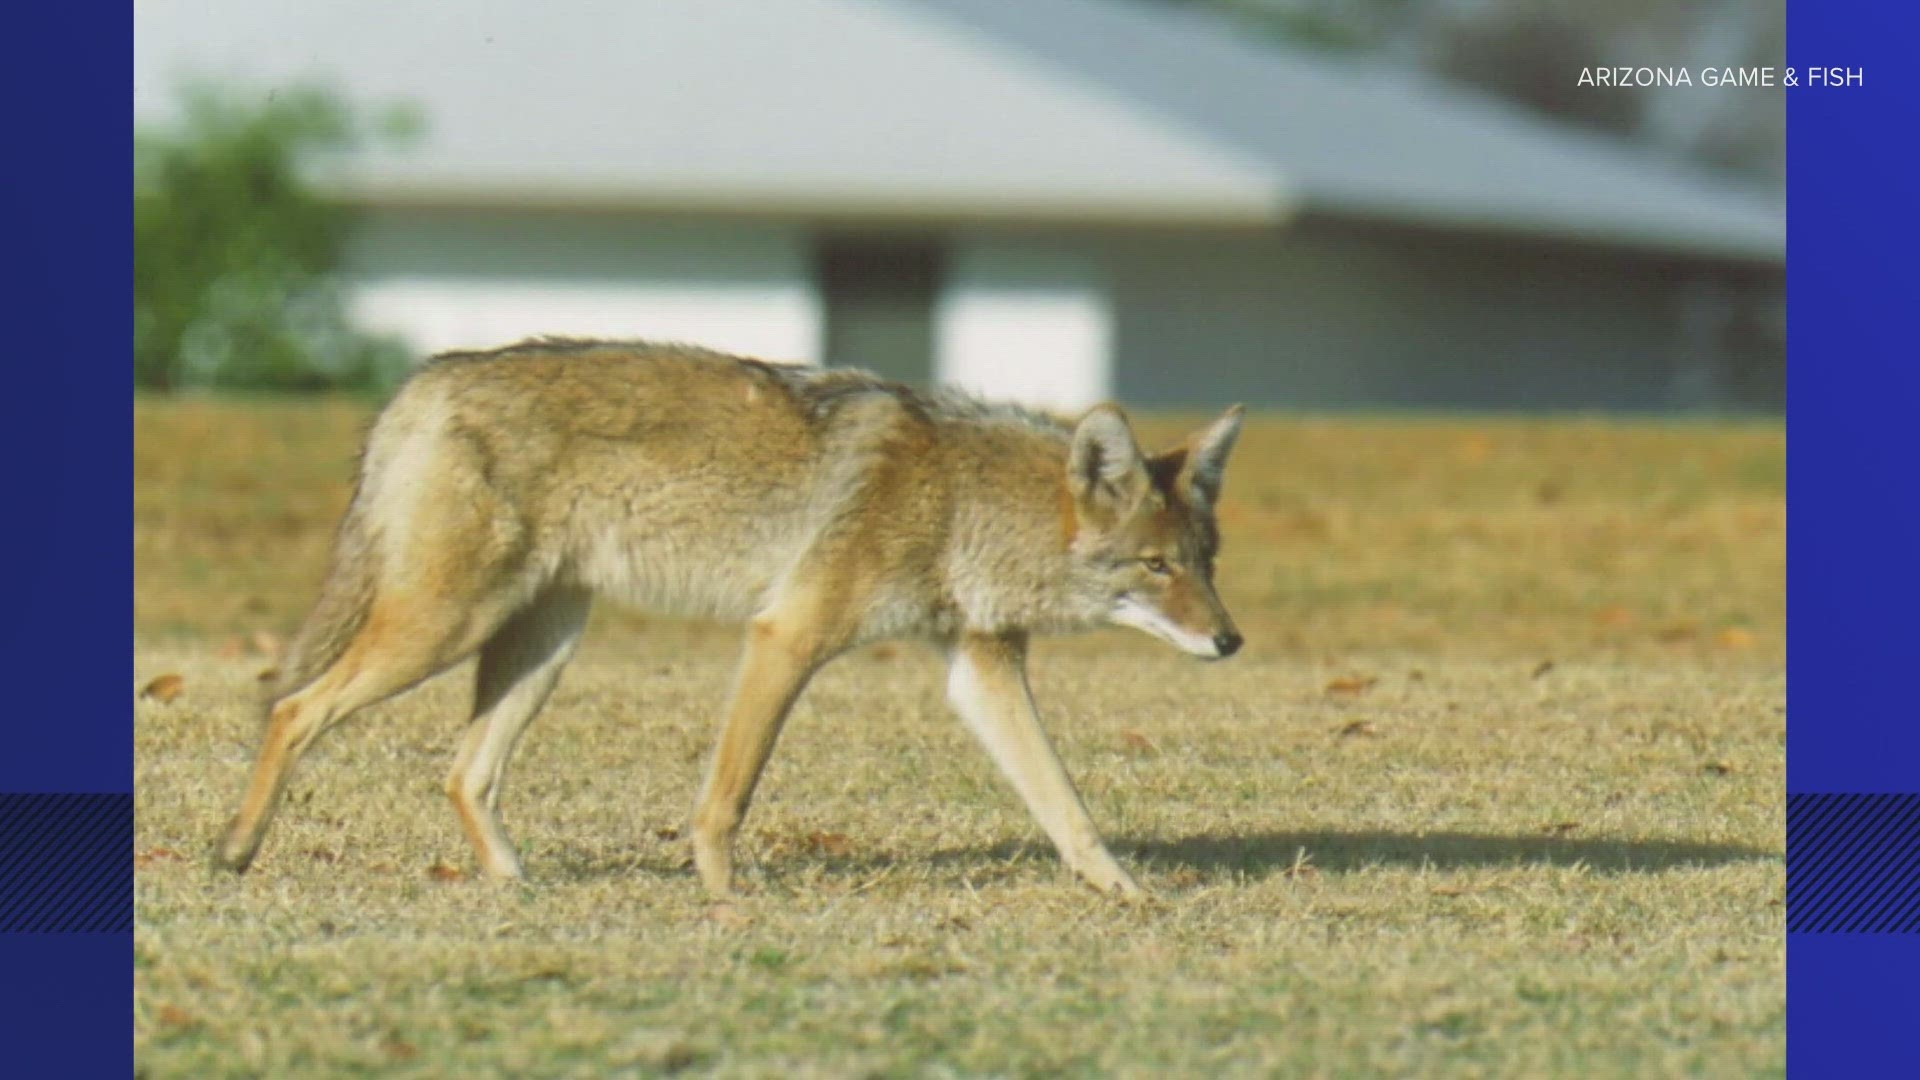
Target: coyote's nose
(1228, 643)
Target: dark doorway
(879, 295)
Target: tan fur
(500, 491)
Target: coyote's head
(1142, 531)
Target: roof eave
(924, 209)
(1760, 246)
(878, 208)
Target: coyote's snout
(501, 491)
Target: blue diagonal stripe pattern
(66, 863)
(1853, 863)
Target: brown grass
(1495, 790)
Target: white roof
(796, 104)
(1043, 110)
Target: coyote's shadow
(1254, 855)
(1264, 853)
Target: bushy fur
(499, 491)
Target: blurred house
(1058, 200)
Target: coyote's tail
(341, 610)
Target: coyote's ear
(1105, 464)
(1207, 452)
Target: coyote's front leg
(781, 654)
(988, 688)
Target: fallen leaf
(266, 643)
(323, 855)
(1734, 637)
(728, 915)
(267, 674)
(1613, 615)
(1351, 684)
(829, 843)
(1560, 828)
(1718, 768)
(442, 871)
(1357, 727)
(163, 689)
(668, 832)
(142, 859)
(1139, 743)
(1679, 632)
(1542, 668)
(174, 1016)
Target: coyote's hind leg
(406, 639)
(518, 669)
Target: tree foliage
(236, 256)
(1532, 52)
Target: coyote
(500, 491)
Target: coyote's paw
(234, 852)
(714, 862)
(1110, 880)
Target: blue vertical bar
(66, 441)
(1854, 501)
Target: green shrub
(236, 257)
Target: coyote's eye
(1154, 564)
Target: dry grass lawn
(1495, 789)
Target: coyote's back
(679, 480)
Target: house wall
(1024, 319)
(462, 279)
(1317, 316)
(1322, 316)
